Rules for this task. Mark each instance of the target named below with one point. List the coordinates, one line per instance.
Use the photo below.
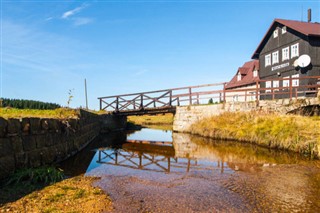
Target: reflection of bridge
(166, 101)
(150, 156)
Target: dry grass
(71, 195)
(152, 119)
(290, 132)
(61, 113)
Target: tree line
(27, 104)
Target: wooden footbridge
(166, 101)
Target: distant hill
(28, 104)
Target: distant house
(284, 53)
(239, 88)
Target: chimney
(309, 15)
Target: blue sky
(50, 47)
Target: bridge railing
(167, 98)
(292, 87)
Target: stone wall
(187, 115)
(32, 142)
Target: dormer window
(255, 73)
(239, 76)
(275, 33)
(283, 29)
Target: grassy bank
(289, 132)
(166, 119)
(23, 113)
(44, 190)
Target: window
(268, 85)
(284, 30)
(295, 82)
(275, 33)
(235, 98)
(239, 76)
(275, 85)
(294, 50)
(285, 54)
(252, 96)
(255, 73)
(275, 57)
(268, 60)
(285, 82)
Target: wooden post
(190, 97)
(224, 94)
(272, 92)
(170, 98)
(100, 103)
(117, 103)
(257, 92)
(290, 87)
(141, 101)
(169, 164)
(245, 96)
(198, 99)
(178, 101)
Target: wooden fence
(168, 99)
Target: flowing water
(160, 171)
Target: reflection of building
(279, 54)
(245, 79)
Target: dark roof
(306, 28)
(246, 72)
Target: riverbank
(61, 113)
(288, 132)
(145, 120)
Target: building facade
(280, 54)
(242, 86)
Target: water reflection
(182, 153)
(144, 172)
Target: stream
(154, 170)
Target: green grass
(290, 132)
(22, 113)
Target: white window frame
(252, 96)
(268, 85)
(267, 59)
(275, 84)
(275, 57)
(295, 50)
(295, 82)
(283, 29)
(286, 82)
(275, 33)
(255, 73)
(235, 98)
(285, 54)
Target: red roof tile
(306, 28)
(246, 75)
